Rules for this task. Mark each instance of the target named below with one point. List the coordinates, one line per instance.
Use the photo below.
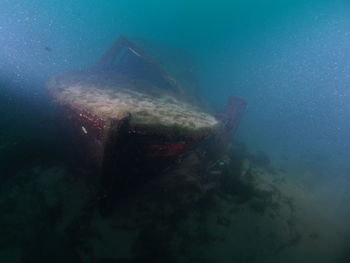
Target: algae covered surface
(117, 97)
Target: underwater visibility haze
(174, 131)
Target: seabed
(240, 209)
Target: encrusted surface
(116, 99)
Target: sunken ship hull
(133, 118)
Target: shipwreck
(134, 118)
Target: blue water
(288, 59)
